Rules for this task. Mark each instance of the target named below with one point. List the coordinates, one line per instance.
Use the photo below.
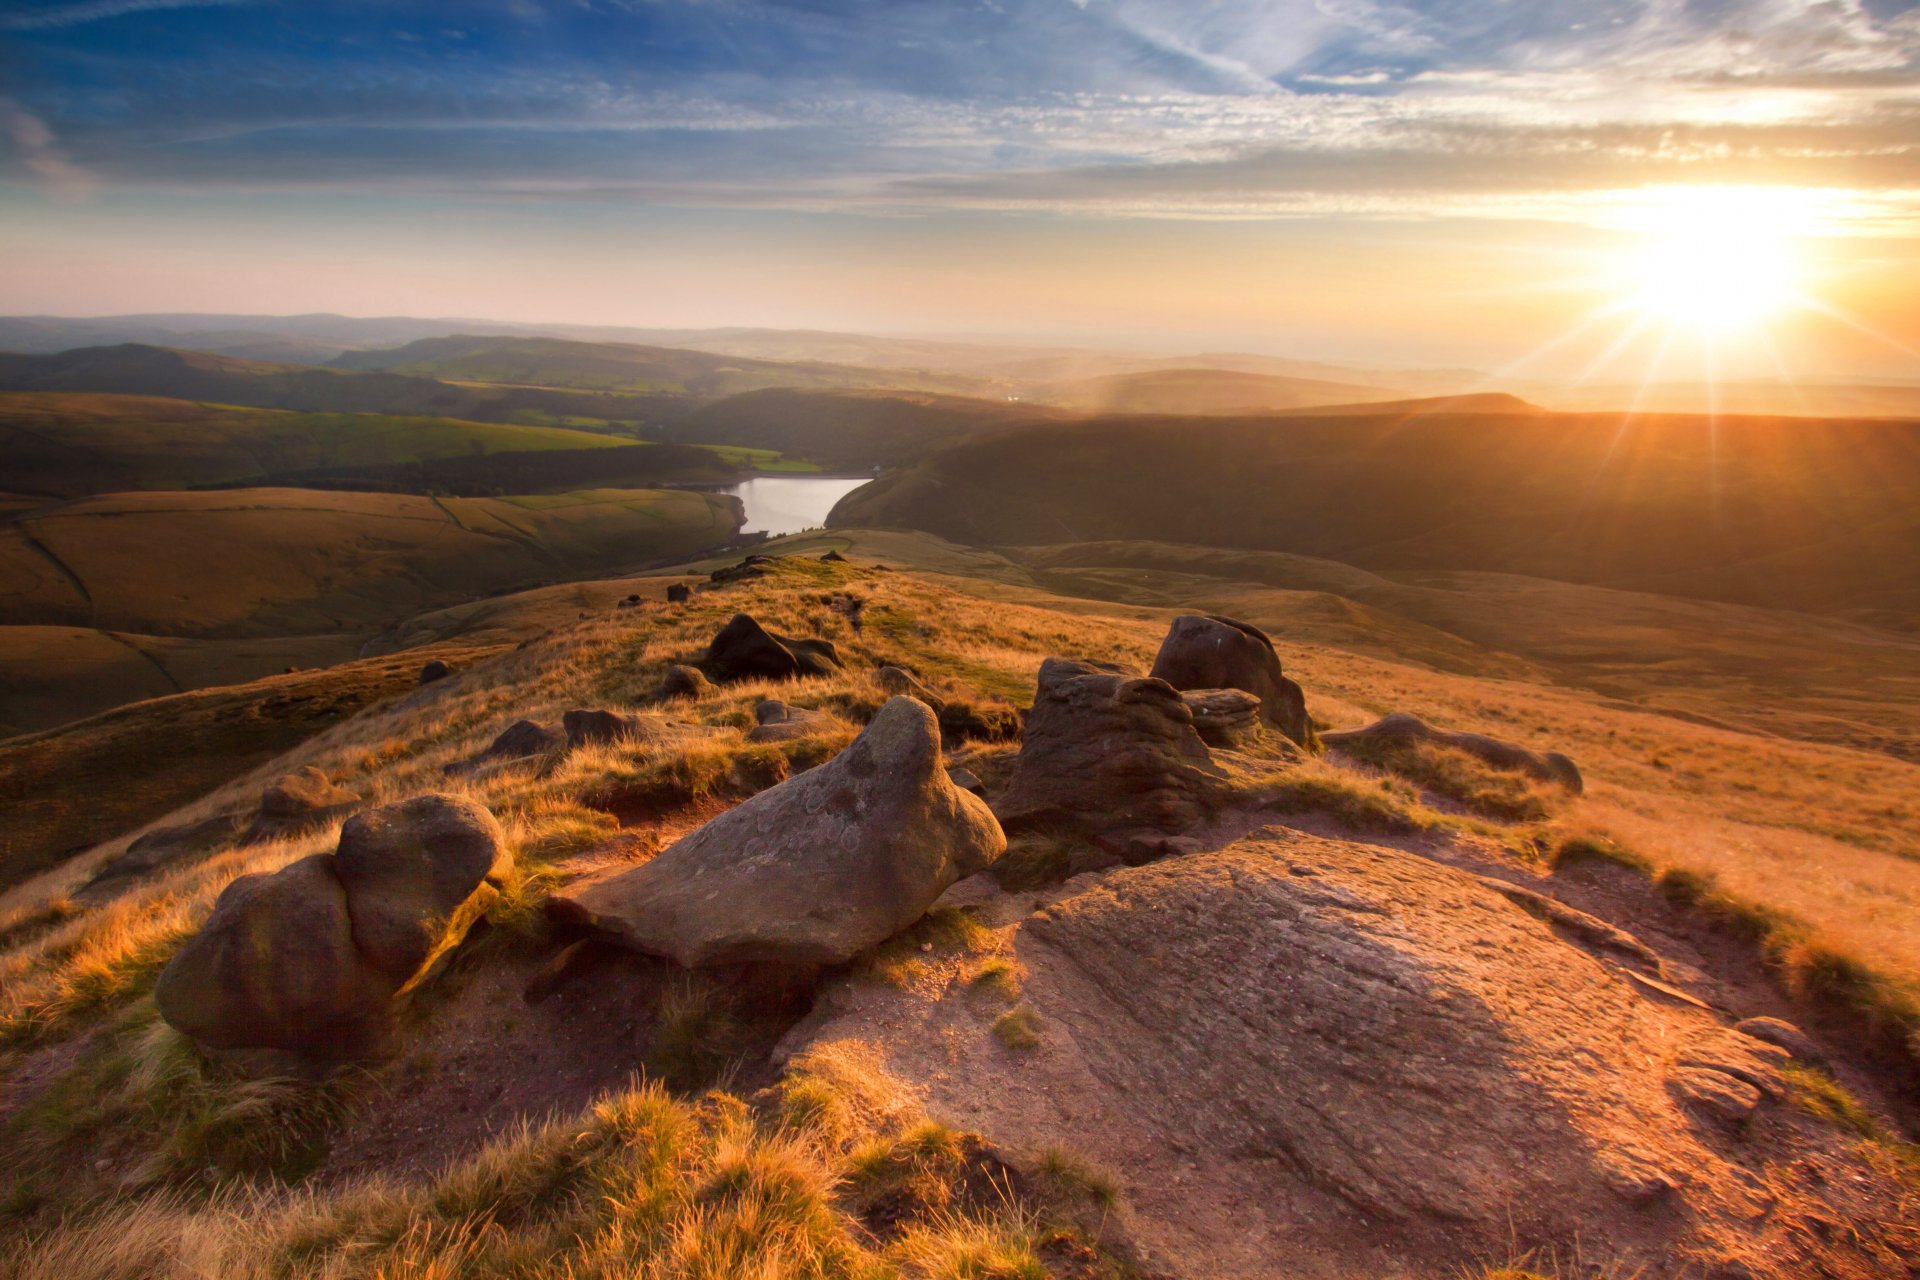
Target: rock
(679, 593)
(159, 849)
(597, 727)
(1401, 728)
(681, 681)
(834, 557)
(435, 670)
(1224, 717)
(744, 650)
(1105, 752)
(417, 875)
(633, 599)
(275, 967)
(778, 722)
(521, 740)
(1713, 1094)
(298, 802)
(626, 604)
(1784, 1035)
(979, 722)
(968, 781)
(746, 570)
(813, 871)
(898, 682)
(1213, 652)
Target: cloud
(34, 145)
(73, 15)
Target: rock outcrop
(744, 650)
(599, 727)
(434, 670)
(159, 849)
(813, 871)
(1105, 752)
(308, 959)
(298, 802)
(898, 682)
(1224, 717)
(682, 681)
(1212, 652)
(1402, 729)
(521, 740)
(775, 721)
(679, 593)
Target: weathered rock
(298, 802)
(1212, 652)
(744, 650)
(898, 682)
(679, 593)
(1784, 1035)
(417, 875)
(745, 571)
(275, 967)
(778, 722)
(593, 728)
(1224, 717)
(435, 670)
(1104, 751)
(968, 781)
(1401, 728)
(834, 557)
(681, 681)
(521, 740)
(159, 849)
(813, 871)
(1713, 1094)
(978, 721)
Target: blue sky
(1141, 109)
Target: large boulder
(275, 967)
(1212, 652)
(521, 740)
(1401, 729)
(308, 959)
(813, 871)
(417, 875)
(744, 650)
(298, 802)
(1104, 751)
(681, 681)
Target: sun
(1716, 261)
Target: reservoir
(789, 504)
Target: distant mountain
(1739, 509)
(1208, 391)
(1827, 399)
(855, 430)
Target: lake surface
(788, 504)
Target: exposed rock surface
(1104, 751)
(596, 727)
(1783, 1034)
(775, 721)
(1399, 728)
(744, 650)
(520, 740)
(298, 802)
(679, 593)
(308, 959)
(1212, 652)
(1223, 717)
(682, 681)
(417, 875)
(159, 849)
(813, 871)
(435, 670)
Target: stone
(682, 681)
(968, 781)
(834, 557)
(978, 721)
(1224, 717)
(1783, 1035)
(417, 875)
(1212, 652)
(778, 722)
(435, 670)
(275, 967)
(159, 849)
(679, 593)
(813, 871)
(298, 802)
(521, 740)
(1713, 1094)
(899, 682)
(1401, 728)
(599, 727)
(744, 650)
(1105, 751)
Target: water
(788, 504)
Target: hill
(1811, 514)
(1208, 391)
(622, 367)
(854, 430)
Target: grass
(1502, 794)
(1018, 1029)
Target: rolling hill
(1810, 514)
(1204, 391)
(854, 430)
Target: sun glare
(1718, 261)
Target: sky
(1493, 183)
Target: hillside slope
(1812, 514)
(1204, 391)
(855, 430)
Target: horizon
(1617, 192)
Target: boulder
(298, 802)
(744, 650)
(1224, 717)
(596, 727)
(778, 722)
(1105, 751)
(1783, 1035)
(1212, 652)
(159, 849)
(834, 557)
(1401, 729)
(681, 681)
(435, 670)
(417, 875)
(813, 871)
(521, 740)
(679, 593)
(275, 967)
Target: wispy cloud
(33, 143)
(72, 15)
